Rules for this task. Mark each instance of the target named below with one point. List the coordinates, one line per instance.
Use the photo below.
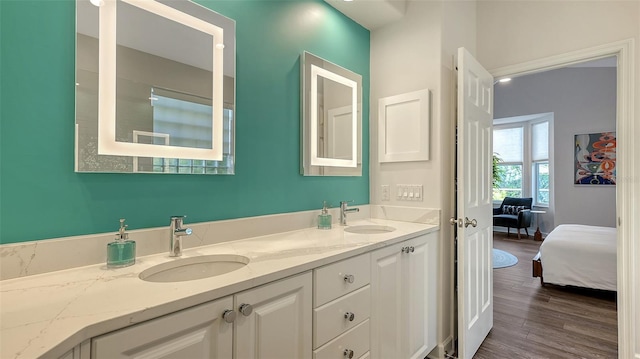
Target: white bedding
(579, 255)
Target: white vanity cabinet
(403, 293)
(376, 305)
(271, 321)
(198, 332)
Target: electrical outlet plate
(385, 192)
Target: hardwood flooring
(531, 321)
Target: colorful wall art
(595, 158)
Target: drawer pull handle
(349, 316)
(229, 316)
(349, 278)
(246, 309)
(348, 353)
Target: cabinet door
(279, 324)
(419, 279)
(403, 293)
(198, 332)
(387, 322)
(80, 351)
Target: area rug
(502, 259)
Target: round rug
(502, 259)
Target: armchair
(514, 213)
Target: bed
(578, 255)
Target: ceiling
(371, 14)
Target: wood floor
(531, 321)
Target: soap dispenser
(324, 218)
(122, 251)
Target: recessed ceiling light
(347, 0)
(506, 79)
(97, 2)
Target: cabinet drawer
(330, 318)
(356, 339)
(340, 278)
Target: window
(508, 145)
(522, 143)
(540, 162)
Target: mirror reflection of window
(185, 120)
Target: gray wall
(583, 100)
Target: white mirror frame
(107, 144)
(332, 162)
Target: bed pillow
(507, 209)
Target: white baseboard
(445, 347)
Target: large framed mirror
(155, 87)
(331, 120)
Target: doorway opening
(582, 99)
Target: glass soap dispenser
(324, 218)
(122, 251)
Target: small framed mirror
(331, 120)
(155, 87)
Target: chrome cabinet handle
(408, 249)
(349, 278)
(349, 316)
(229, 316)
(246, 309)
(348, 353)
(468, 222)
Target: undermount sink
(369, 229)
(185, 269)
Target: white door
(474, 207)
(278, 325)
(198, 332)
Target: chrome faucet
(176, 234)
(344, 210)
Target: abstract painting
(595, 158)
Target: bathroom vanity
(304, 294)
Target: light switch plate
(410, 192)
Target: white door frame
(627, 189)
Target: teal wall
(41, 196)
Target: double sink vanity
(366, 290)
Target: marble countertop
(48, 314)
